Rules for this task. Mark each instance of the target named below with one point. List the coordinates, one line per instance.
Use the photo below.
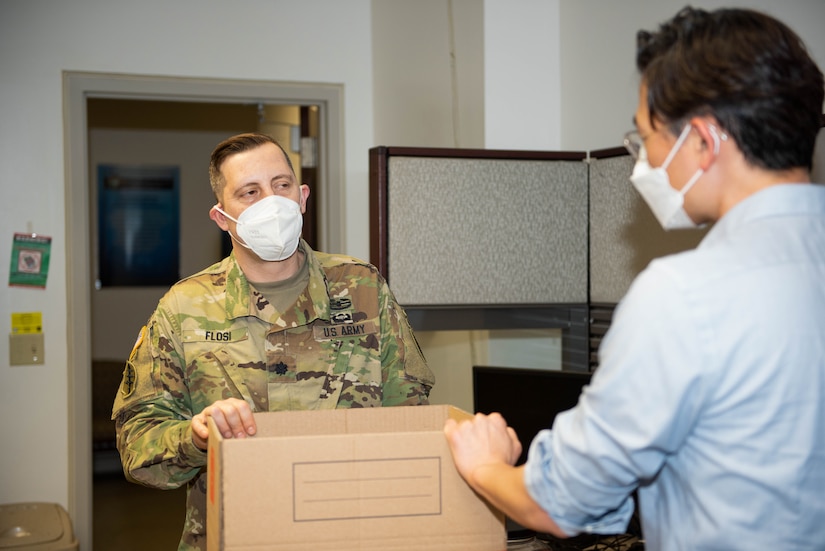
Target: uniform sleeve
(407, 378)
(152, 411)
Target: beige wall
(428, 73)
(318, 41)
(598, 77)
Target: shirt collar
(792, 199)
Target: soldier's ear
(303, 190)
(219, 218)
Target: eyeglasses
(634, 144)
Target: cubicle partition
(624, 234)
(624, 238)
(480, 239)
(490, 239)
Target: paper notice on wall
(26, 322)
(30, 254)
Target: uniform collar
(312, 303)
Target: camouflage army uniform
(344, 343)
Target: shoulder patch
(129, 383)
(138, 342)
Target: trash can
(36, 527)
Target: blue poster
(138, 225)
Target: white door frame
(77, 88)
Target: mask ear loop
(675, 149)
(235, 239)
(717, 142)
(220, 210)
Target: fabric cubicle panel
(479, 231)
(624, 234)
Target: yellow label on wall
(26, 322)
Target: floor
(125, 516)
(130, 517)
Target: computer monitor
(529, 399)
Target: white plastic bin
(36, 527)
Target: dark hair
(748, 70)
(232, 146)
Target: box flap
(356, 420)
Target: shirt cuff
(556, 493)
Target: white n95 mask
(666, 203)
(270, 228)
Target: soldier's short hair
(232, 146)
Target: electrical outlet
(26, 349)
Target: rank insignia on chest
(282, 367)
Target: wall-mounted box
(26, 349)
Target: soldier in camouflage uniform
(312, 331)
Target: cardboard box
(345, 480)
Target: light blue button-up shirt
(710, 394)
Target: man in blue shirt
(710, 396)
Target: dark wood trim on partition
(609, 153)
(484, 153)
(378, 207)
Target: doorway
(84, 95)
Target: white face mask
(654, 186)
(270, 228)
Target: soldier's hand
(232, 416)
